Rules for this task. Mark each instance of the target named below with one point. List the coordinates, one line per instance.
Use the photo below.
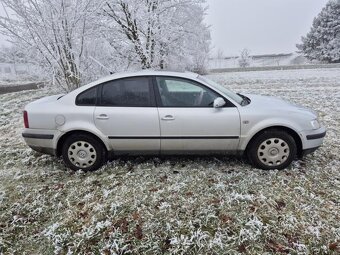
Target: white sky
(262, 26)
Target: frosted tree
(10, 54)
(76, 41)
(322, 43)
(244, 59)
(158, 33)
(56, 34)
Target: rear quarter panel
(42, 112)
(61, 116)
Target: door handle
(168, 117)
(102, 117)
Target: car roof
(188, 75)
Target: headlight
(315, 124)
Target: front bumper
(316, 136)
(312, 139)
(308, 151)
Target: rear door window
(129, 92)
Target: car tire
(83, 152)
(272, 149)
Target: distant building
(268, 60)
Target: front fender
(248, 131)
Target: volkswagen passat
(162, 113)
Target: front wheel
(272, 149)
(81, 151)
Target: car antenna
(100, 64)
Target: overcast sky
(262, 26)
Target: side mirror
(219, 102)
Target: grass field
(185, 205)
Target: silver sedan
(160, 113)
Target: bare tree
(244, 59)
(220, 54)
(55, 33)
(158, 33)
(219, 57)
(76, 41)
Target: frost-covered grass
(176, 205)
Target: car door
(128, 116)
(188, 121)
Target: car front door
(128, 116)
(188, 121)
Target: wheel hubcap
(273, 152)
(82, 154)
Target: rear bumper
(44, 150)
(41, 140)
(38, 136)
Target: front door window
(176, 92)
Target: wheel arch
(293, 133)
(63, 138)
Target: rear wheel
(81, 151)
(272, 149)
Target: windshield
(228, 93)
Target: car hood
(268, 103)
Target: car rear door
(128, 116)
(188, 121)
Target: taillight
(26, 119)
